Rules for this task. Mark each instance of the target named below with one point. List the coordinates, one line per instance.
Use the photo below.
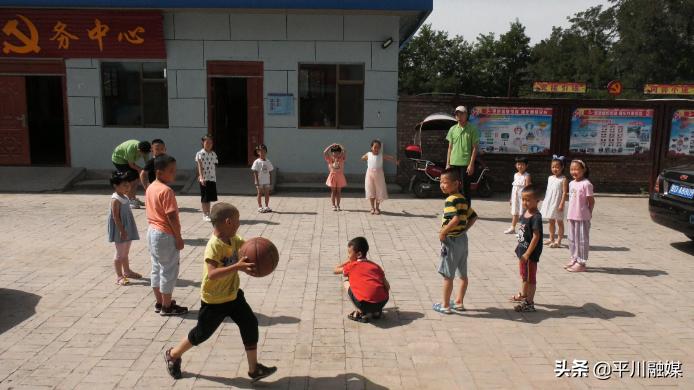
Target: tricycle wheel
(485, 188)
(419, 190)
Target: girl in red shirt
(365, 282)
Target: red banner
(668, 89)
(81, 34)
(513, 111)
(626, 112)
(558, 87)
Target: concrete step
(321, 187)
(38, 179)
(101, 185)
(230, 181)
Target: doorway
(230, 120)
(46, 120)
(235, 109)
(33, 119)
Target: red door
(254, 95)
(14, 133)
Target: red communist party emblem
(684, 177)
(615, 87)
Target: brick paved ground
(65, 324)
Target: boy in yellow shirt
(221, 295)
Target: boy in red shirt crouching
(365, 282)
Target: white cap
(460, 108)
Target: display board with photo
(516, 130)
(682, 134)
(611, 131)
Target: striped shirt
(456, 204)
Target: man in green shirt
(124, 157)
(463, 140)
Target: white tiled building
(330, 69)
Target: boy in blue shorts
(458, 217)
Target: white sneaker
(261, 209)
(509, 231)
(206, 218)
(134, 204)
(268, 210)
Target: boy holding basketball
(221, 296)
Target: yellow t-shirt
(223, 289)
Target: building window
(134, 94)
(331, 96)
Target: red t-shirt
(366, 281)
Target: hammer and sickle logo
(31, 42)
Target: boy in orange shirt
(164, 236)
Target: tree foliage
(635, 41)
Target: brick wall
(608, 173)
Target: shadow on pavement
(342, 381)
(15, 307)
(627, 271)
(294, 212)
(189, 210)
(392, 317)
(496, 219)
(195, 241)
(258, 222)
(404, 213)
(686, 247)
(186, 283)
(598, 248)
(546, 311)
(264, 320)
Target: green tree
(656, 41)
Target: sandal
(525, 306)
(438, 307)
(555, 245)
(578, 267)
(518, 297)
(455, 307)
(373, 211)
(570, 264)
(133, 275)
(548, 242)
(122, 281)
(358, 317)
(377, 212)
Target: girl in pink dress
(375, 181)
(580, 212)
(335, 155)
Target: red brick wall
(608, 173)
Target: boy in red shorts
(528, 250)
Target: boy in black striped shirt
(458, 217)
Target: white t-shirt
(208, 160)
(263, 167)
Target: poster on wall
(611, 131)
(682, 133)
(280, 103)
(517, 130)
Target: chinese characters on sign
(668, 89)
(280, 103)
(81, 34)
(558, 87)
(603, 370)
(682, 133)
(611, 131)
(523, 130)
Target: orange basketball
(263, 253)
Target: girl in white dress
(375, 180)
(555, 198)
(520, 180)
